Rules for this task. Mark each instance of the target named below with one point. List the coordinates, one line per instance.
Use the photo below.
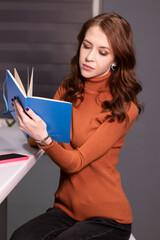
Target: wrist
(46, 142)
(43, 140)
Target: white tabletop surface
(12, 140)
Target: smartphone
(12, 157)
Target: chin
(87, 74)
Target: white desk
(13, 140)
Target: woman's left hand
(29, 122)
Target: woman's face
(96, 55)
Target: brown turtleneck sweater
(90, 184)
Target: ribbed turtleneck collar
(97, 84)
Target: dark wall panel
(41, 34)
(55, 53)
(45, 12)
(38, 33)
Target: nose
(90, 56)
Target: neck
(97, 84)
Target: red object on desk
(12, 157)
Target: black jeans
(56, 224)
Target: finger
(18, 105)
(17, 115)
(23, 112)
(21, 115)
(16, 110)
(37, 120)
(32, 114)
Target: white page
(19, 82)
(30, 85)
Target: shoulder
(60, 92)
(132, 112)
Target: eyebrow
(99, 46)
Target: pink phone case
(10, 158)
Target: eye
(103, 53)
(86, 46)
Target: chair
(132, 237)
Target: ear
(114, 67)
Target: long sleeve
(98, 143)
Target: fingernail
(12, 104)
(12, 99)
(27, 108)
(15, 97)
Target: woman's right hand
(30, 122)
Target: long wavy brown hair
(122, 82)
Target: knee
(21, 234)
(16, 235)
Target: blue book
(56, 114)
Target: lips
(87, 67)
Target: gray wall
(139, 161)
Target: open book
(56, 114)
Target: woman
(89, 202)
